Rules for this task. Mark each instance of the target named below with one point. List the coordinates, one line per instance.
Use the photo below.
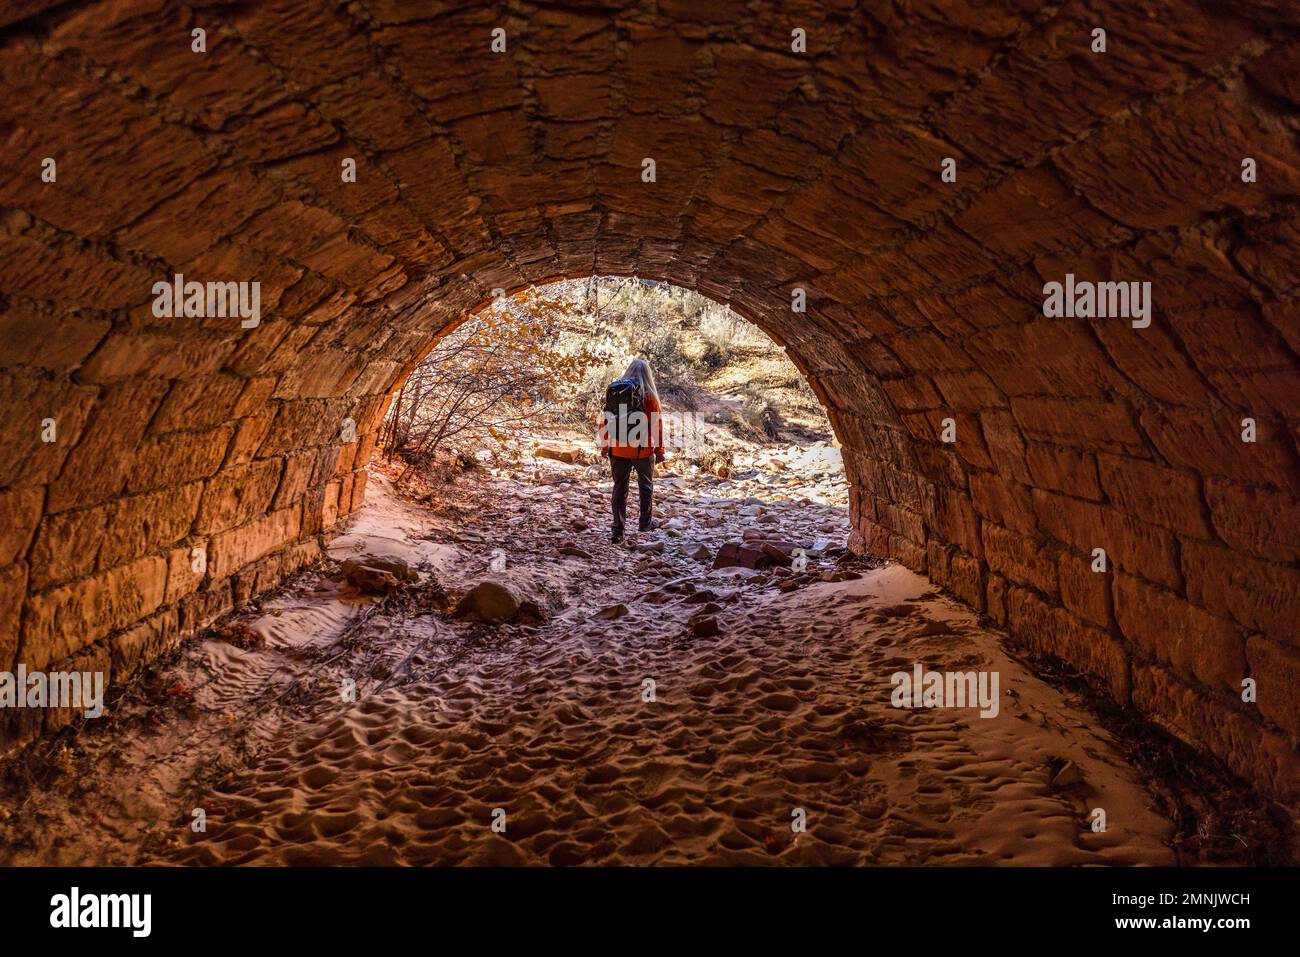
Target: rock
(612, 612)
(704, 626)
(574, 550)
(369, 580)
(489, 601)
(531, 612)
(394, 566)
(569, 456)
(779, 552)
(745, 555)
(1068, 774)
(702, 554)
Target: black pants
(645, 489)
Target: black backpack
(622, 398)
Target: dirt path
(784, 716)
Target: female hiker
(631, 435)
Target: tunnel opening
(525, 377)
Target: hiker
(631, 435)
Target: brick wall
(775, 170)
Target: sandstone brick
(1020, 559)
(67, 545)
(1078, 423)
(365, 449)
(1257, 594)
(966, 580)
(907, 552)
(232, 550)
(1085, 592)
(178, 457)
(13, 593)
(1006, 502)
(1005, 443)
(196, 404)
(1184, 185)
(201, 608)
(143, 523)
(1157, 495)
(996, 602)
(235, 496)
(950, 517)
(1130, 544)
(359, 479)
(62, 621)
(1050, 629)
(1276, 670)
(938, 562)
(1194, 643)
(24, 333)
(1064, 470)
(182, 579)
(20, 512)
(1066, 361)
(294, 479)
(95, 438)
(1255, 520)
(1212, 446)
(249, 437)
(913, 392)
(89, 661)
(1223, 725)
(345, 495)
(343, 465)
(905, 522)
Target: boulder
(742, 554)
(489, 601)
(394, 566)
(368, 580)
(704, 626)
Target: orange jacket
(654, 434)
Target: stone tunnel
(888, 190)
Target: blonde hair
(639, 370)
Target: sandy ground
(546, 729)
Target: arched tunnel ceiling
(774, 170)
